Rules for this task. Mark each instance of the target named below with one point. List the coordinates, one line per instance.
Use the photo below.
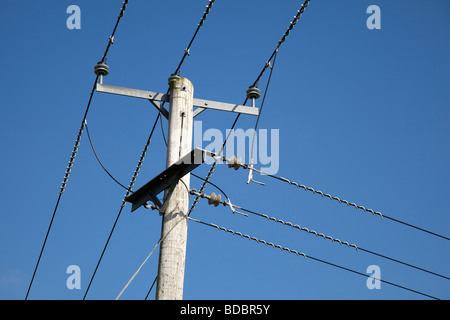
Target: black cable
(357, 247)
(72, 158)
(309, 257)
(186, 53)
(43, 246)
(122, 206)
(214, 185)
(415, 227)
(365, 275)
(111, 38)
(151, 287)
(291, 25)
(404, 263)
(261, 107)
(99, 161)
(187, 50)
(66, 177)
(246, 166)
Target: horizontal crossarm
(154, 97)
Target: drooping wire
(100, 162)
(133, 180)
(214, 185)
(76, 146)
(307, 256)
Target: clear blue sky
(363, 115)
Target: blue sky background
(363, 115)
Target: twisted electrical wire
(76, 146)
(350, 204)
(283, 39)
(187, 51)
(317, 234)
(255, 83)
(297, 253)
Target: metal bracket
(166, 178)
(154, 97)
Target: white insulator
(214, 199)
(234, 162)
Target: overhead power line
(133, 180)
(351, 204)
(76, 146)
(235, 162)
(317, 234)
(255, 83)
(283, 39)
(187, 51)
(297, 253)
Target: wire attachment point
(250, 176)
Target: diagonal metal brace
(165, 179)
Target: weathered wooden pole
(174, 226)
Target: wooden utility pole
(176, 205)
(175, 179)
